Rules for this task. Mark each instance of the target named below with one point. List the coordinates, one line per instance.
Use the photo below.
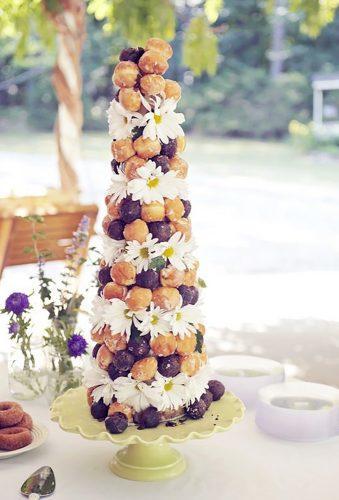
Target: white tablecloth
(241, 464)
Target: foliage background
(253, 104)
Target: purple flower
(77, 345)
(13, 328)
(17, 303)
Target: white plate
(39, 433)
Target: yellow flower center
(168, 386)
(157, 119)
(127, 313)
(152, 183)
(168, 252)
(144, 253)
(178, 316)
(154, 320)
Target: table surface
(240, 464)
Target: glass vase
(27, 375)
(64, 373)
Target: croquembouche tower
(149, 361)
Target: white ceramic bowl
(245, 375)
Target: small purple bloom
(77, 345)
(17, 303)
(13, 328)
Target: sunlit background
(263, 149)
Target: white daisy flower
(184, 320)
(153, 185)
(118, 187)
(168, 393)
(111, 249)
(161, 122)
(152, 322)
(141, 254)
(131, 392)
(95, 376)
(121, 121)
(118, 317)
(98, 312)
(197, 384)
(175, 250)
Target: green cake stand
(147, 455)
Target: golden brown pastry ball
(123, 273)
(114, 291)
(104, 357)
(166, 297)
(113, 210)
(115, 341)
(190, 364)
(125, 74)
(152, 84)
(122, 149)
(187, 344)
(160, 46)
(164, 345)
(97, 335)
(136, 231)
(132, 165)
(106, 222)
(183, 225)
(138, 298)
(108, 199)
(152, 212)
(170, 276)
(190, 277)
(145, 369)
(179, 166)
(153, 62)
(172, 90)
(146, 148)
(174, 209)
(130, 99)
(181, 143)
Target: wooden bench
(16, 234)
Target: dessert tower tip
(149, 362)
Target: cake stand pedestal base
(147, 455)
(148, 462)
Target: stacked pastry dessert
(149, 361)
(15, 426)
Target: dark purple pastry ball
(207, 398)
(162, 161)
(131, 54)
(116, 230)
(130, 210)
(169, 149)
(95, 350)
(187, 207)
(189, 294)
(99, 410)
(104, 275)
(114, 373)
(160, 230)
(117, 423)
(216, 388)
(139, 347)
(148, 279)
(123, 361)
(149, 418)
(100, 290)
(197, 409)
(114, 166)
(169, 366)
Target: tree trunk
(67, 81)
(277, 52)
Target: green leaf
(157, 263)
(200, 341)
(202, 283)
(200, 50)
